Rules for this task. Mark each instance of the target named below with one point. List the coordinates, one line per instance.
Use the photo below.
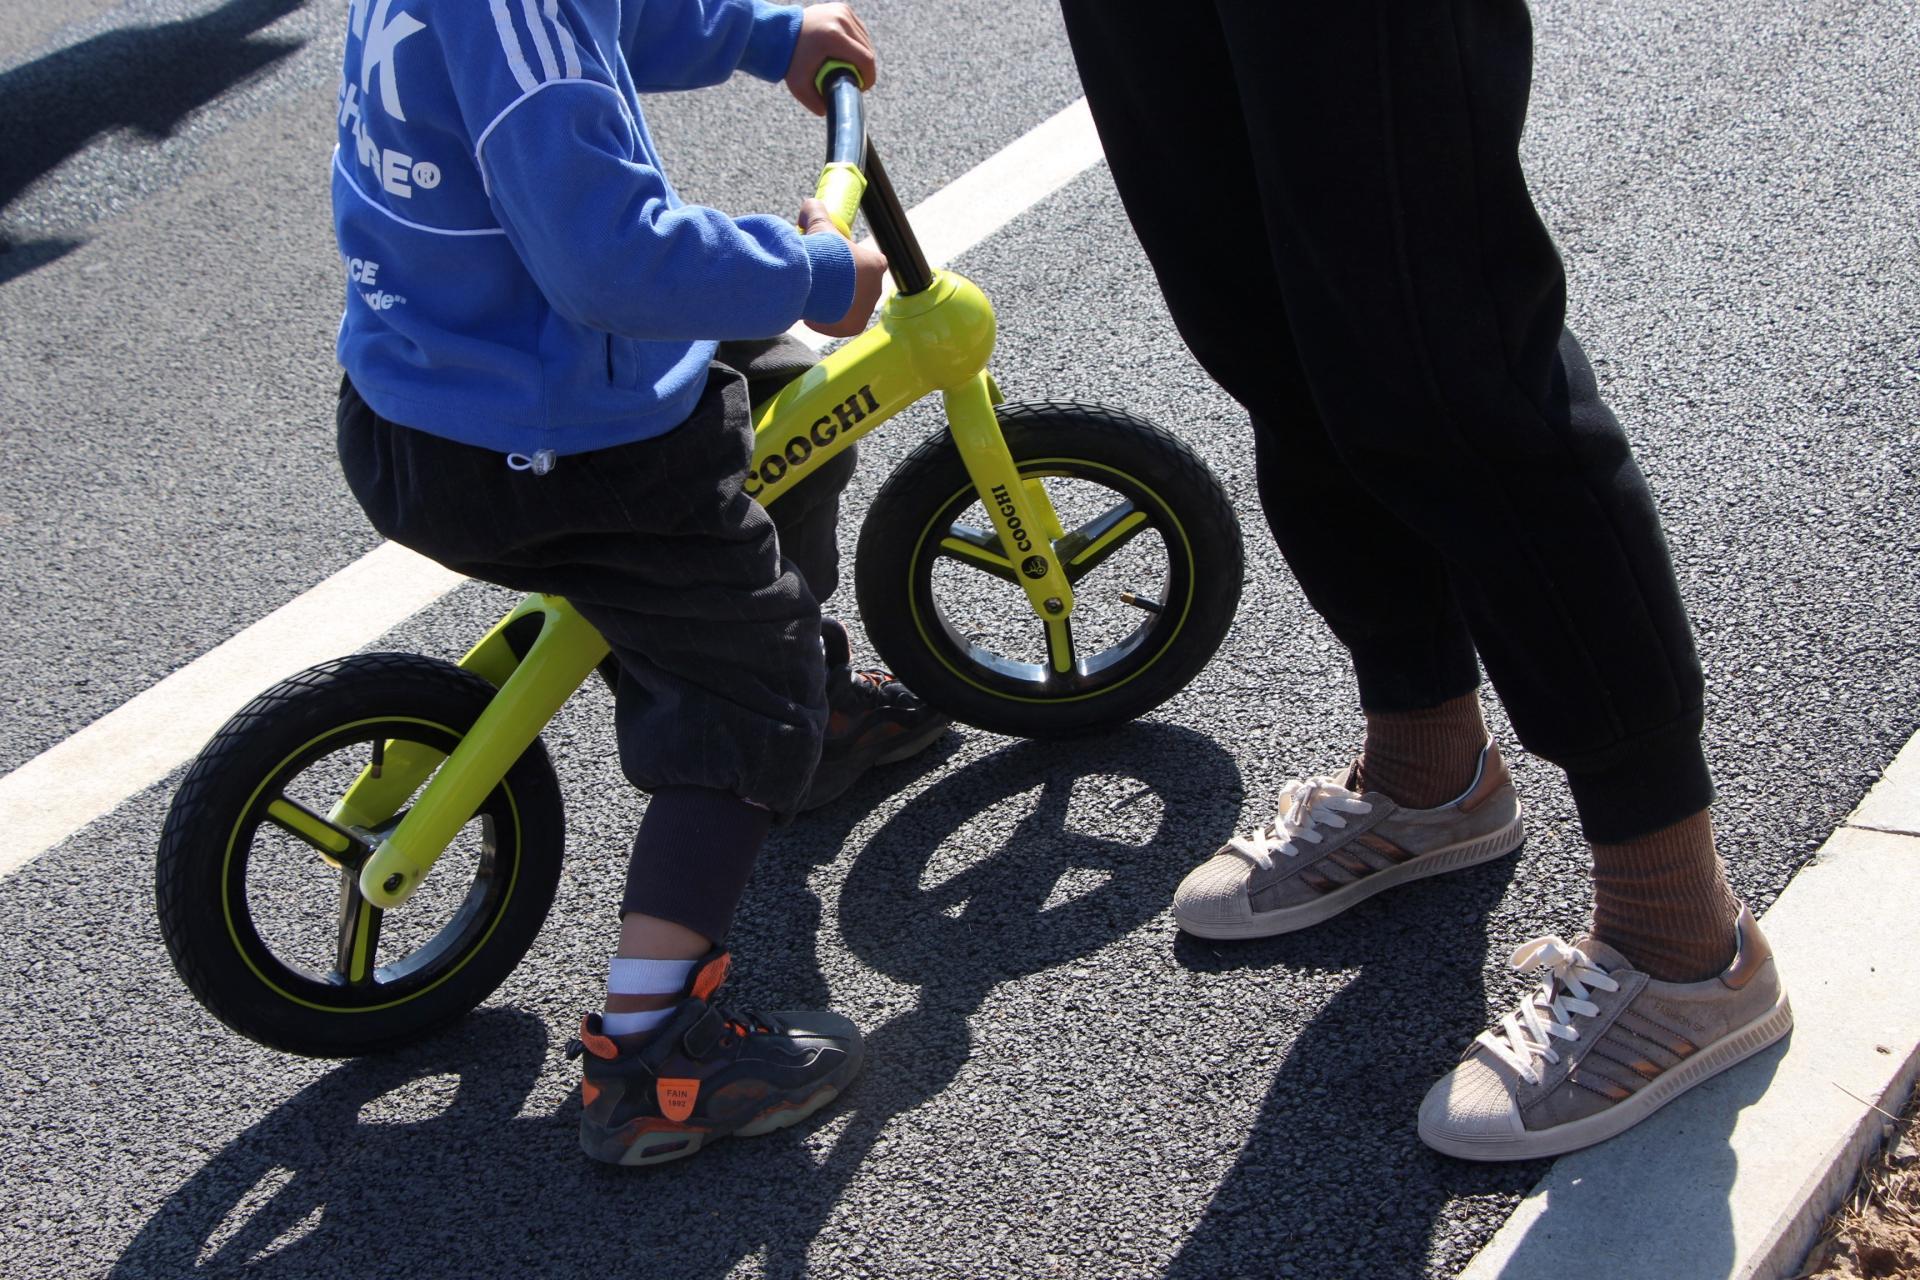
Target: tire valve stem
(1140, 602)
(379, 757)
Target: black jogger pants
(1332, 199)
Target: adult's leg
(1170, 118)
(1426, 305)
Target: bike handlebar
(854, 180)
(843, 183)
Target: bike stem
(891, 230)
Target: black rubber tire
(200, 882)
(1185, 505)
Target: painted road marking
(92, 773)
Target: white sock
(635, 976)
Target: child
(535, 396)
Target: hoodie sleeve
(594, 222)
(600, 236)
(689, 44)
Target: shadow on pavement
(317, 1187)
(1699, 1206)
(382, 1191)
(1337, 1126)
(142, 78)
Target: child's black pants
(709, 604)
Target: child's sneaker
(1331, 846)
(705, 1073)
(1598, 1047)
(872, 719)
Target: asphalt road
(1059, 1082)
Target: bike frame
(935, 334)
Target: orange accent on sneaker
(1384, 847)
(596, 1044)
(711, 975)
(1593, 1082)
(645, 1126)
(1493, 776)
(1752, 951)
(589, 1092)
(677, 1096)
(1358, 868)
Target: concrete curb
(1894, 802)
(1735, 1177)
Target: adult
(1332, 198)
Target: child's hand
(828, 32)
(869, 270)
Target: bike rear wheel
(258, 900)
(1147, 538)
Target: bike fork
(1020, 510)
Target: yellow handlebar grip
(831, 65)
(841, 188)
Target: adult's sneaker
(705, 1073)
(872, 719)
(1599, 1047)
(1332, 844)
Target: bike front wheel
(1144, 531)
(258, 898)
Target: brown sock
(1662, 901)
(1423, 759)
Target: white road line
(92, 773)
(129, 749)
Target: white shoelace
(1527, 1034)
(1306, 804)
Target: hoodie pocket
(622, 362)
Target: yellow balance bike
(1041, 570)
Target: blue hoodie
(520, 274)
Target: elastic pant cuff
(1414, 673)
(1660, 781)
(692, 856)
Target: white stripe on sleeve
(541, 44)
(568, 52)
(510, 41)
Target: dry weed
(1875, 1234)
